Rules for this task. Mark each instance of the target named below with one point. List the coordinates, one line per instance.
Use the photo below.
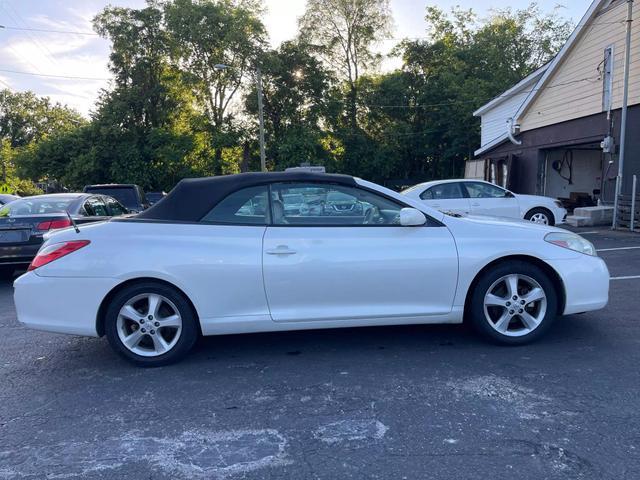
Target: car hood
(502, 222)
(537, 199)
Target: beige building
(560, 127)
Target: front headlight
(558, 203)
(572, 242)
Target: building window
(607, 79)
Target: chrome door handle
(475, 204)
(280, 250)
(436, 205)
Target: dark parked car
(130, 195)
(155, 197)
(5, 198)
(23, 222)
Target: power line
(69, 77)
(455, 102)
(430, 37)
(42, 47)
(45, 30)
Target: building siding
(575, 89)
(494, 122)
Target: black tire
(188, 335)
(541, 211)
(476, 310)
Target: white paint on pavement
(522, 401)
(350, 430)
(616, 248)
(628, 277)
(192, 454)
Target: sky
(44, 61)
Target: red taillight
(54, 224)
(58, 250)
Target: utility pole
(263, 158)
(623, 122)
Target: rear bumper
(60, 305)
(18, 254)
(586, 283)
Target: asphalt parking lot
(394, 402)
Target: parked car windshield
(35, 206)
(126, 196)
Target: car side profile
(206, 261)
(477, 197)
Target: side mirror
(411, 217)
(508, 194)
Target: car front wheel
(150, 324)
(514, 303)
(541, 216)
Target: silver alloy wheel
(149, 325)
(515, 305)
(541, 218)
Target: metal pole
(263, 159)
(633, 202)
(623, 123)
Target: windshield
(126, 196)
(37, 206)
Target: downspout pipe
(510, 130)
(623, 122)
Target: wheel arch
(544, 266)
(102, 310)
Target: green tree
(344, 32)
(206, 35)
(423, 114)
(296, 97)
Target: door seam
(264, 282)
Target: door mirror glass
(411, 217)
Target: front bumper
(560, 215)
(59, 304)
(586, 283)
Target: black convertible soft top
(193, 198)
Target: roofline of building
(504, 96)
(492, 144)
(585, 22)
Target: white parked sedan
(222, 255)
(476, 197)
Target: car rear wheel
(150, 324)
(541, 216)
(514, 303)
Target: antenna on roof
(73, 222)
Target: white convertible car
(229, 255)
(476, 197)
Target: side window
(114, 206)
(88, 209)
(95, 207)
(246, 206)
(329, 205)
(442, 192)
(484, 190)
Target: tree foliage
(183, 99)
